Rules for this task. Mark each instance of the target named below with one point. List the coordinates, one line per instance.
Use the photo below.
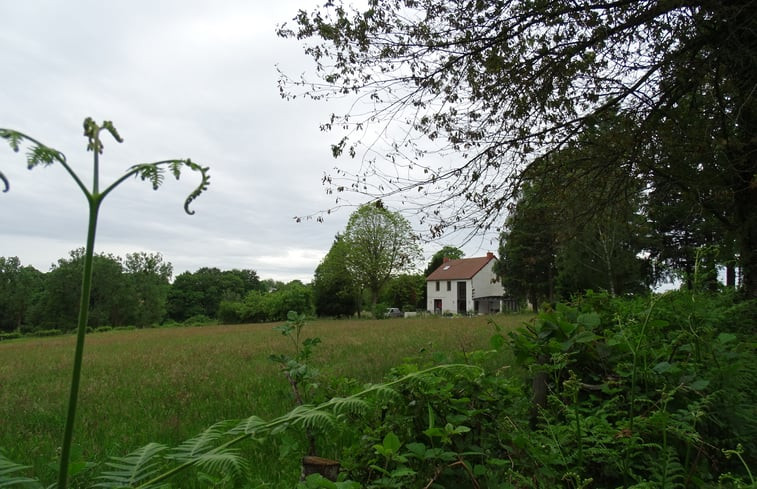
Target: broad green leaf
(403, 472)
(724, 338)
(590, 320)
(392, 442)
(585, 337)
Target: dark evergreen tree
(334, 292)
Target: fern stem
(81, 330)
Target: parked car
(394, 312)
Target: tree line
(549, 250)
(135, 290)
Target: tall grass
(168, 384)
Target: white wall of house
(483, 285)
(448, 298)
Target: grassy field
(166, 385)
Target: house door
(461, 298)
(437, 306)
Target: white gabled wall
(483, 285)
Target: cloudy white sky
(179, 79)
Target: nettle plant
(39, 154)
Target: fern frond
(154, 172)
(136, 467)
(312, 418)
(200, 444)
(227, 462)
(668, 473)
(349, 405)
(150, 172)
(8, 479)
(39, 154)
(384, 392)
(249, 426)
(14, 138)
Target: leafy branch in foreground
(40, 154)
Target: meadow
(168, 384)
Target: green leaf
(699, 384)
(391, 442)
(403, 472)
(590, 320)
(724, 338)
(662, 367)
(418, 450)
(497, 342)
(585, 337)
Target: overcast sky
(179, 79)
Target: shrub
(199, 320)
(46, 332)
(230, 312)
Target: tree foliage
(19, 287)
(528, 252)
(149, 278)
(406, 291)
(379, 243)
(451, 252)
(497, 84)
(334, 292)
(273, 305)
(201, 292)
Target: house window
(449, 285)
(437, 286)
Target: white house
(465, 286)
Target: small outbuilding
(466, 286)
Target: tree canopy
(379, 244)
(334, 291)
(451, 252)
(495, 85)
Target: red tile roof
(462, 269)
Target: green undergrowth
(655, 392)
(168, 384)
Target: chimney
(489, 255)
(445, 259)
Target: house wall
(482, 283)
(448, 298)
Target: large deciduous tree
(496, 83)
(150, 278)
(380, 244)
